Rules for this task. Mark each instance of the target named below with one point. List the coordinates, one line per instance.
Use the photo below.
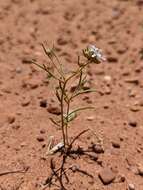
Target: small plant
(63, 89)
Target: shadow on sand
(59, 177)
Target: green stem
(77, 72)
(62, 114)
(66, 132)
(50, 57)
(45, 69)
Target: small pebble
(18, 70)
(132, 93)
(33, 85)
(112, 59)
(61, 41)
(25, 102)
(106, 106)
(43, 103)
(131, 186)
(115, 144)
(40, 139)
(107, 79)
(6, 90)
(133, 123)
(140, 170)
(122, 178)
(11, 119)
(54, 110)
(26, 61)
(98, 148)
(23, 144)
(141, 103)
(132, 80)
(140, 2)
(90, 118)
(107, 176)
(42, 131)
(134, 108)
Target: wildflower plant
(62, 91)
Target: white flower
(94, 54)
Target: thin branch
(86, 91)
(81, 133)
(79, 109)
(13, 172)
(45, 69)
(77, 72)
(50, 54)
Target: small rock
(140, 2)
(40, 139)
(138, 69)
(98, 148)
(125, 73)
(131, 186)
(45, 11)
(106, 106)
(99, 162)
(132, 93)
(61, 41)
(121, 50)
(26, 61)
(134, 108)
(107, 90)
(24, 84)
(141, 102)
(42, 131)
(115, 144)
(116, 13)
(18, 70)
(139, 150)
(133, 123)
(6, 90)
(112, 41)
(33, 85)
(112, 59)
(140, 170)
(121, 178)
(43, 103)
(107, 79)
(25, 102)
(23, 144)
(54, 110)
(133, 80)
(11, 119)
(90, 118)
(107, 176)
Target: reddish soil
(116, 26)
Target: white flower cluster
(94, 54)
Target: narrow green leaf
(83, 92)
(82, 108)
(73, 114)
(58, 96)
(70, 117)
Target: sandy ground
(116, 26)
